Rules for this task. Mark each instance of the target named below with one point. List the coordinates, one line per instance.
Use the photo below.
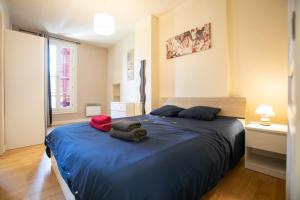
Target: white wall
(199, 74)
(128, 88)
(241, 62)
(141, 40)
(258, 32)
(116, 68)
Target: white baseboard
(57, 123)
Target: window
(63, 61)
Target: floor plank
(26, 173)
(241, 183)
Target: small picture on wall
(195, 40)
(130, 65)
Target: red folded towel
(101, 119)
(102, 127)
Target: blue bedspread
(181, 159)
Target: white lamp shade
(265, 110)
(104, 24)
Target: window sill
(62, 112)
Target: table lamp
(265, 111)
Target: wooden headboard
(230, 106)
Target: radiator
(92, 109)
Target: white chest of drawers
(122, 109)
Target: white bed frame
(63, 185)
(230, 106)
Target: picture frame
(192, 41)
(130, 64)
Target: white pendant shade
(104, 24)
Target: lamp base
(265, 121)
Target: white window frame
(73, 93)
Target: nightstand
(266, 149)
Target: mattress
(179, 159)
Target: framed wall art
(130, 64)
(192, 41)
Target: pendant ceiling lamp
(104, 23)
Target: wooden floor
(26, 174)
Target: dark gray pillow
(167, 111)
(200, 113)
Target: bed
(180, 159)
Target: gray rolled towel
(134, 135)
(125, 125)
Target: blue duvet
(180, 159)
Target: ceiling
(74, 18)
